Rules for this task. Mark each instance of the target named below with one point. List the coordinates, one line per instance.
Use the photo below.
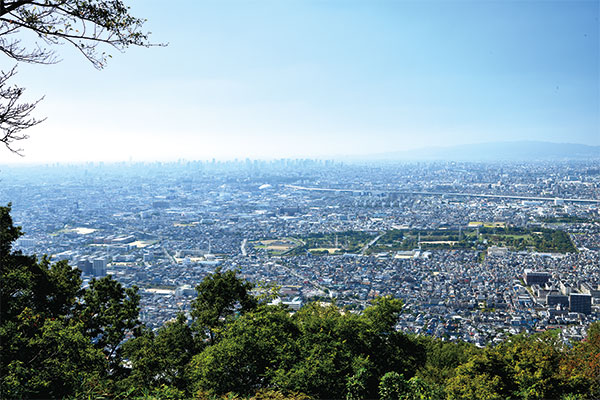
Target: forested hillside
(61, 341)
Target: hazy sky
(306, 78)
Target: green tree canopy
(161, 359)
(523, 367)
(219, 296)
(109, 313)
(56, 339)
(254, 350)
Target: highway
(490, 196)
(371, 243)
(243, 247)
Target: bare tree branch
(14, 116)
(85, 24)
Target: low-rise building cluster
(164, 227)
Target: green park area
(74, 230)
(409, 239)
(538, 239)
(515, 239)
(478, 238)
(277, 247)
(333, 243)
(569, 219)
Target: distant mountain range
(499, 151)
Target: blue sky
(271, 79)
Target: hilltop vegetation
(61, 341)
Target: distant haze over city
(314, 79)
(477, 152)
(499, 151)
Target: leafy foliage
(392, 386)
(160, 360)
(522, 367)
(60, 341)
(56, 339)
(109, 313)
(218, 297)
(253, 350)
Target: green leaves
(392, 386)
(219, 296)
(523, 367)
(383, 313)
(322, 351)
(57, 340)
(250, 354)
(160, 361)
(8, 233)
(46, 357)
(109, 313)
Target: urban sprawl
(476, 251)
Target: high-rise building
(85, 266)
(532, 277)
(99, 267)
(580, 303)
(554, 299)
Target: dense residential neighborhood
(476, 252)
